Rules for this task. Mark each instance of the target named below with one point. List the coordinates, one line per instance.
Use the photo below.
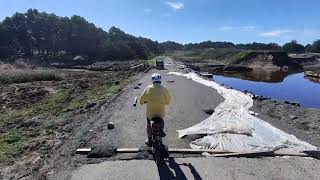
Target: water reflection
(277, 85)
(259, 75)
(313, 79)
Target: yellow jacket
(156, 96)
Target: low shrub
(17, 78)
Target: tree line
(40, 34)
(290, 47)
(49, 36)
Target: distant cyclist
(157, 97)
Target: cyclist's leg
(149, 133)
(161, 123)
(163, 149)
(149, 128)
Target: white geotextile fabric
(232, 128)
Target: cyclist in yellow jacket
(156, 97)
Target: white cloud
(175, 5)
(275, 33)
(147, 10)
(238, 28)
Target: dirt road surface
(190, 100)
(202, 168)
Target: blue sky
(184, 21)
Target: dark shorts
(157, 120)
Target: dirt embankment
(262, 60)
(304, 123)
(306, 60)
(42, 118)
(220, 60)
(313, 75)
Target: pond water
(276, 85)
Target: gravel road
(190, 99)
(202, 168)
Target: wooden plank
(215, 152)
(83, 151)
(290, 154)
(265, 153)
(314, 154)
(195, 151)
(137, 66)
(128, 150)
(171, 150)
(120, 150)
(245, 154)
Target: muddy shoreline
(304, 123)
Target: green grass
(48, 107)
(151, 62)
(220, 56)
(6, 79)
(238, 57)
(61, 102)
(16, 140)
(67, 99)
(13, 143)
(92, 95)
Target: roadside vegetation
(11, 78)
(237, 57)
(152, 62)
(217, 56)
(28, 127)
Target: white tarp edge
(231, 127)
